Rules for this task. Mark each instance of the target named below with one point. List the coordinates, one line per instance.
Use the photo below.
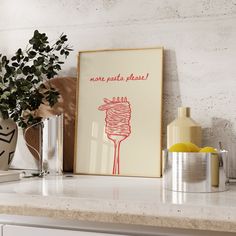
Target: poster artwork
(119, 112)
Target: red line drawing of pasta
(118, 115)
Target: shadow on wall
(171, 92)
(222, 131)
(72, 71)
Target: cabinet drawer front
(12, 230)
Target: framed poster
(119, 110)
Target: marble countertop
(126, 200)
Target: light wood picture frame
(119, 112)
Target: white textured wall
(199, 37)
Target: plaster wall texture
(199, 37)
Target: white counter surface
(140, 201)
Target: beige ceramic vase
(184, 129)
(8, 139)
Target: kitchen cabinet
(13, 230)
(28, 226)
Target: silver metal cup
(195, 171)
(51, 151)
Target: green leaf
(29, 77)
(23, 105)
(58, 48)
(37, 72)
(26, 70)
(18, 71)
(40, 60)
(19, 52)
(32, 69)
(22, 124)
(57, 67)
(35, 62)
(64, 38)
(18, 59)
(48, 49)
(15, 64)
(26, 59)
(32, 54)
(4, 59)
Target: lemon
(192, 147)
(208, 149)
(179, 147)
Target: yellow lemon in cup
(208, 149)
(179, 147)
(192, 147)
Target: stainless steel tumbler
(195, 172)
(51, 148)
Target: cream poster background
(134, 74)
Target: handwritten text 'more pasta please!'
(119, 78)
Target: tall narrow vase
(52, 145)
(47, 146)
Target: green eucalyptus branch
(23, 78)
